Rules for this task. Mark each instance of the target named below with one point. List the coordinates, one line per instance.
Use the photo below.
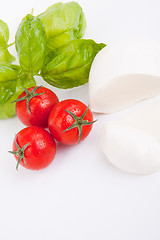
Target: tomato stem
(19, 153)
(79, 122)
(29, 95)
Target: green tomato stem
(79, 122)
(19, 153)
(29, 95)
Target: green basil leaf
(4, 32)
(12, 82)
(8, 72)
(63, 22)
(30, 44)
(5, 56)
(69, 66)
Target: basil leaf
(30, 44)
(12, 82)
(5, 56)
(69, 66)
(63, 22)
(4, 32)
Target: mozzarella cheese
(133, 143)
(123, 74)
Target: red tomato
(73, 126)
(34, 148)
(34, 106)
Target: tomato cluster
(69, 122)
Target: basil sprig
(49, 46)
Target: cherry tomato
(34, 148)
(34, 106)
(70, 121)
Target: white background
(80, 196)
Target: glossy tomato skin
(59, 120)
(40, 107)
(41, 149)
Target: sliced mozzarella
(133, 143)
(123, 74)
